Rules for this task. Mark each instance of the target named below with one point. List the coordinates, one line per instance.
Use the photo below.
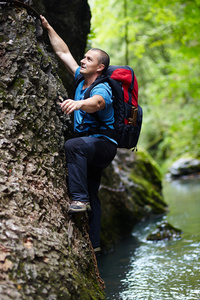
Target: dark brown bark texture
(42, 255)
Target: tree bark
(42, 254)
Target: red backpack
(128, 114)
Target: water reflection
(115, 265)
(141, 269)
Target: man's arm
(60, 48)
(89, 105)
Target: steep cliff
(42, 255)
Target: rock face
(42, 254)
(131, 190)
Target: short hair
(104, 58)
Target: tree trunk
(42, 254)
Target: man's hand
(89, 105)
(60, 47)
(45, 23)
(69, 105)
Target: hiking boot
(79, 206)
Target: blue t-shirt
(84, 121)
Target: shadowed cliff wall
(71, 20)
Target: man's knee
(72, 148)
(69, 144)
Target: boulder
(131, 190)
(184, 167)
(164, 231)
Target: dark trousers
(86, 158)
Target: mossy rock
(164, 231)
(184, 167)
(131, 190)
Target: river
(164, 270)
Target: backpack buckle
(133, 118)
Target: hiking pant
(86, 158)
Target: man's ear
(101, 67)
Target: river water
(164, 270)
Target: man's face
(90, 63)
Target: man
(91, 150)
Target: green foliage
(163, 44)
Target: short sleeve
(104, 90)
(77, 72)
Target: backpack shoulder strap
(78, 79)
(100, 79)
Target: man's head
(104, 58)
(95, 61)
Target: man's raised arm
(60, 48)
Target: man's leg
(94, 179)
(81, 152)
(77, 168)
(86, 157)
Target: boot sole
(74, 210)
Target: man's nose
(82, 60)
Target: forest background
(160, 40)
